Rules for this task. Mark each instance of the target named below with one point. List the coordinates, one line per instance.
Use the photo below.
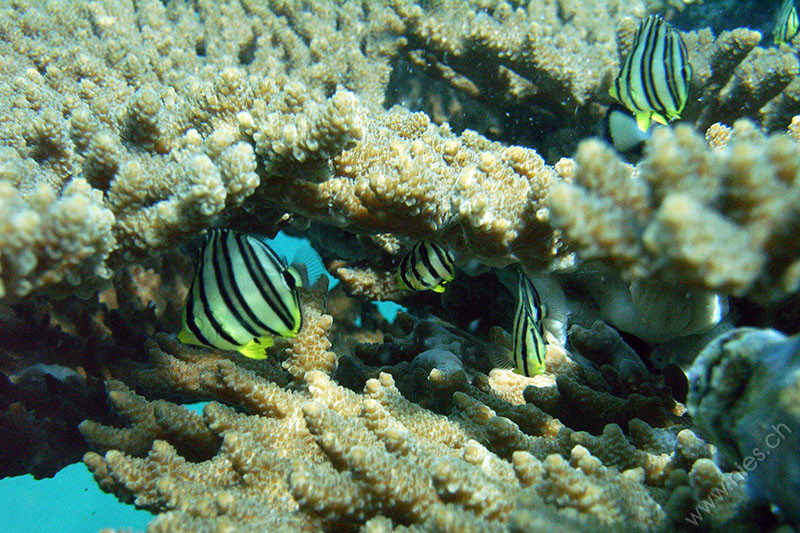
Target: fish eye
(288, 278)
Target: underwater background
(457, 265)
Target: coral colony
(455, 157)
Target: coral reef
(321, 456)
(127, 128)
(716, 215)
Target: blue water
(71, 502)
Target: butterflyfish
(786, 24)
(654, 80)
(528, 350)
(243, 295)
(427, 267)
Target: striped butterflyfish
(242, 296)
(786, 23)
(654, 81)
(427, 267)
(528, 346)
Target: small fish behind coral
(529, 347)
(242, 296)
(654, 81)
(427, 267)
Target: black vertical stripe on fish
(417, 264)
(529, 296)
(405, 272)
(260, 325)
(522, 340)
(190, 317)
(219, 237)
(636, 50)
(212, 321)
(660, 67)
(229, 288)
(424, 257)
(646, 66)
(671, 62)
(249, 264)
(263, 283)
(444, 258)
(278, 305)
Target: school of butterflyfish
(244, 294)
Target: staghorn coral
(146, 122)
(315, 455)
(127, 128)
(155, 120)
(714, 217)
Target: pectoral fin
(257, 348)
(643, 120)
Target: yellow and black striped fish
(786, 24)
(529, 344)
(654, 81)
(242, 295)
(427, 267)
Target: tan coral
(310, 349)
(718, 216)
(324, 455)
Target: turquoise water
(71, 502)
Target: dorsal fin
(308, 262)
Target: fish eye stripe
(251, 271)
(253, 326)
(277, 302)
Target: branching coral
(146, 123)
(317, 455)
(717, 217)
(127, 128)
